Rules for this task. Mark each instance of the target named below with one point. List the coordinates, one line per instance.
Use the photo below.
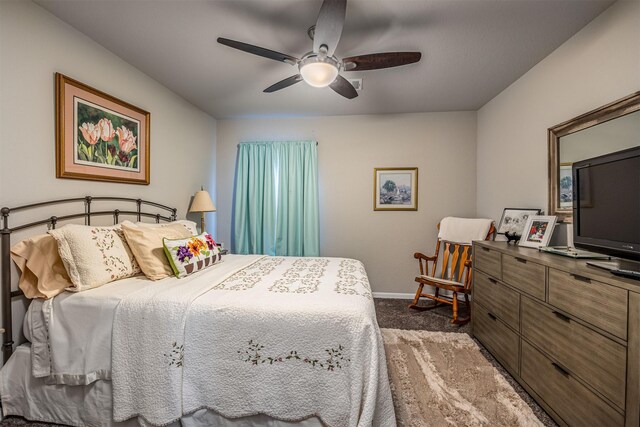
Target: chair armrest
(423, 260)
(419, 255)
(468, 266)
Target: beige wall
(598, 65)
(33, 46)
(441, 145)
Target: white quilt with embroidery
(287, 337)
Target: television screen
(607, 202)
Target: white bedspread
(287, 337)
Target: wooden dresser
(569, 333)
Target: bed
(253, 340)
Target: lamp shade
(318, 71)
(202, 202)
(319, 74)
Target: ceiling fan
(320, 68)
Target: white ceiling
(471, 49)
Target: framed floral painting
(99, 137)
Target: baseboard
(393, 295)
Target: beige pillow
(94, 256)
(43, 274)
(146, 244)
(189, 225)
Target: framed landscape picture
(395, 189)
(565, 187)
(514, 219)
(538, 231)
(99, 137)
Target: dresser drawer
(499, 299)
(601, 305)
(496, 336)
(572, 401)
(597, 360)
(487, 260)
(524, 275)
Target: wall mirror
(610, 128)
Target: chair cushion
(464, 230)
(441, 281)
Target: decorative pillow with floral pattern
(191, 254)
(94, 256)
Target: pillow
(146, 244)
(94, 256)
(187, 256)
(43, 274)
(189, 225)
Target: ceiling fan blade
(260, 51)
(343, 87)
(376, 61)
(284, 83)
(329, 25)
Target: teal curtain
(276, 199)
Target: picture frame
(538, 231)
(565, 185)
(513, 220)
(100, 137)
(395, 189)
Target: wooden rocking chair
(455, 275)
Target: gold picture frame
(395, 189)
(100, 137)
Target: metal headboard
(7, 294)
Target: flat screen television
(606, 204)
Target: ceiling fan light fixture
(318, 72)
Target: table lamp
(202, 203)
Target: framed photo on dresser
(514, 219)
(537, 231)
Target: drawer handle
(485, 249)
(561, 369)
(522, 260)
(492, 316)
(581, 278)
(562, 316)
(492, 280)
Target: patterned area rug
(440, 378)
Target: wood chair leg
(456, 320)
(455, 308)
(414, 304)
(418, 292)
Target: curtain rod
(262, 142)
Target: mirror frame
(619, 108)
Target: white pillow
(94, 256)
(189, 225)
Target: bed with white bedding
(290, 338)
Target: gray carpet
(394, 314)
